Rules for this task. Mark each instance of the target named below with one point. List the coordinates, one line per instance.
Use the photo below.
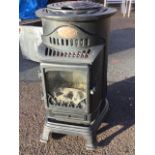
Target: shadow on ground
(121, 96)
(121, 40)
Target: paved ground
(116, 134)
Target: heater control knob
(92, 91)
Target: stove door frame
(44, 67)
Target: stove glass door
(66, 88)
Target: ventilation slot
(83, 54)
(54, 53)
(62, 42)
(74, 55)
(50, 52)
(50, 40)
(46, 51)
(71, 42)
(81, 42)
(70, 54)
(76, 42)
(87, 54)
(58, 53)
(79, 54)
(57, 41)
(66, 42)
(88, 42)
(54, 41)
(66, 54)
(62, 54)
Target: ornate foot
(45, 134)
(91, 142)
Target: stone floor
(116, 134)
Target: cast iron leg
(91, 142)
(45, 134)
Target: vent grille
(78, 54)
(83, 42)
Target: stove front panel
(65, 89)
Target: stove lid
(75, 10)
(80, 6)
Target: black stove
(73, 67)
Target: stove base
(89, 132)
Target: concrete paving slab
(121, 65)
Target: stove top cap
(75, 6)
(74, 10)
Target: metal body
(93, 75)
(73, 64)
